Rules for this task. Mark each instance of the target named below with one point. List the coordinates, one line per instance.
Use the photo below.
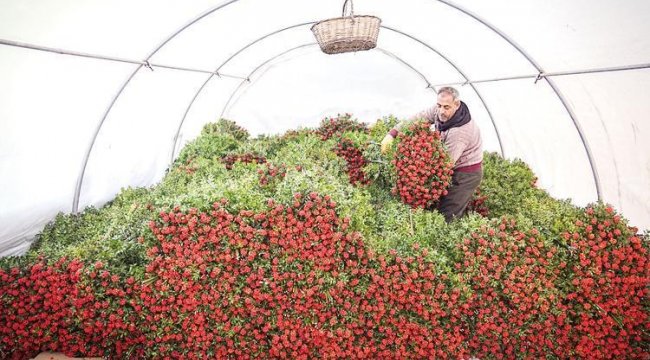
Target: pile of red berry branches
(293, 282)
(70, 308)
(289, 283)
(607, 288)
(270, 174)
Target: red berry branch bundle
(607, 292)
(231, 159)
(270, 174)
(188, 167)
(512, 275)
(293, 282)
(69, 308)
(331, 127)
(354, 161)
(290, 282)
(422, 166)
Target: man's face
(447, 106)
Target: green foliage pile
(113, 234)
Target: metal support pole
(226, 3)
(383, 51)
(77, 192)
(478, 93)
(539, 69)
(207, 80)
(310, 23)
(552, 74)
(232, 95)
(144, 63)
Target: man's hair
(449, 90)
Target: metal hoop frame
(383, 51)
(310, 23)
(552, 84)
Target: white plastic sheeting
(53, 105)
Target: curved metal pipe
(262, 38)
(478, 93)
(77, 192)
(187, 110)
(310, 23)
(390, 54)
(549, 81)
(189, 106)
(259, 67)
(385, 52)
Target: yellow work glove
(385, 144)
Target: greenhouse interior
(378, 179)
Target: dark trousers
(463, 185)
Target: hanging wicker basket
(347, 33)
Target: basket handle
(351, 8)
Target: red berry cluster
(422, 167)
(331, 127)
(187, 167)
(607, 288)
(231, 159)
(26, 325)
(291, 282)
(354, 161)
(294, 282)
(64, 307)
(477, 204)
(511, 276)
(530, 299)
(270, 173)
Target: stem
(618, 321)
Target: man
(462, 139)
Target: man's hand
(385, 144)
